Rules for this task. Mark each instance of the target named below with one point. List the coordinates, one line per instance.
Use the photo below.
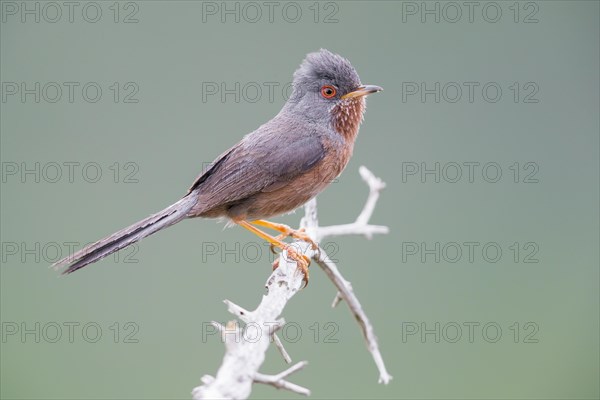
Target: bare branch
(282, 350)
(345, 292)
(280, 383)
(338, 297)
(245, 347)
(376, 185)
(361, 225)
(238, 311)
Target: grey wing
(208, 170)
(263, 161)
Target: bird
(271, 171)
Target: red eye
(328, 91)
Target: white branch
(245, 347)
(345, 292)
(280, 383)
(361, 225)
(282, 351)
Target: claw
(300, 234)
(303, 262)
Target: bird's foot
(301, 234)
(302, 261)
(272, 246)
(286, 231)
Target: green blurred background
(543, 56)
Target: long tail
(127, 236)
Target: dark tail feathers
(125, 237)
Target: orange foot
(301, 260)
(286, 231)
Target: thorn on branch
(238, 311)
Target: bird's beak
(362, 90)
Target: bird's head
(327, 89)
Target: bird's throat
(347, 116)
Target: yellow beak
(362, 90)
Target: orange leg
(287, 231)
(302, 260)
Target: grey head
(326, 88)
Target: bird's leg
(286, 231)
(278, 237)
(302, 260)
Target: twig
(280, 383)
(279, 345)
(361, 225)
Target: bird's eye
(328, 91)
